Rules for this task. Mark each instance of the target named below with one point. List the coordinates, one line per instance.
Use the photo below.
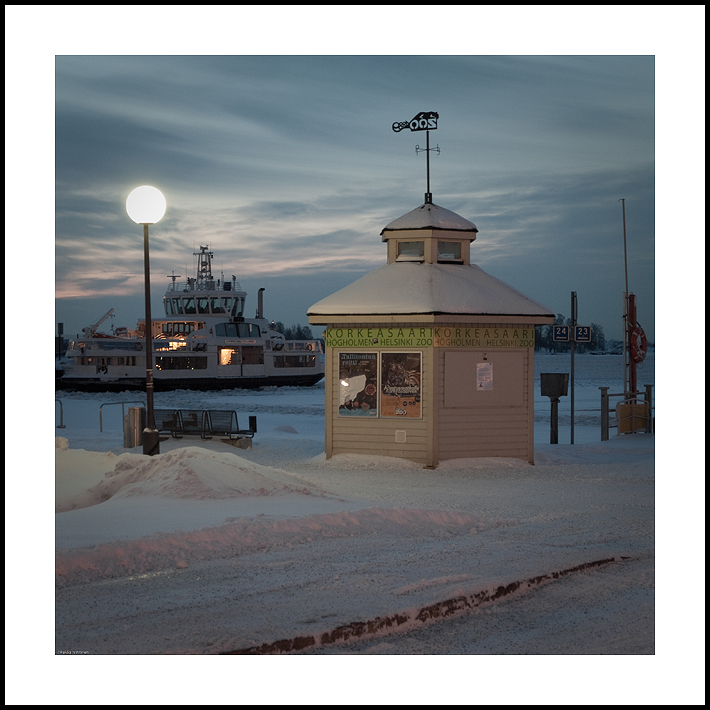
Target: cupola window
(448, 251)
(410, 251)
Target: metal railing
(123, 410)
(61, 415)
(302, 346)
(628, 398)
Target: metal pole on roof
(626, 301)
(427, 197)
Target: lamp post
(146, 205)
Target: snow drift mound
(177, 550)
(189, 472)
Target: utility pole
(626, 304)
(572, 344)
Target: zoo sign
(424, 121)
(423, 337)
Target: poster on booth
(400, 385)
(484, 376)
(357, 375)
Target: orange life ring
(638, 344)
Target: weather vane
(424, 121)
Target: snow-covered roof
(431, 216)
(408, 288)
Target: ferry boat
(203, 342)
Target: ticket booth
(430, 358)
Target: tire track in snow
(401, 620)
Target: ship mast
(204, 268)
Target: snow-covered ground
(209, 549)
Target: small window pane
(449, 251)
(410, 250)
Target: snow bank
(190, 472)
(177, 550)
(365, 462)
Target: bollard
(605, 413)
(133, 425)
(554, 401)
(649, 403)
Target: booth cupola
(429, 234)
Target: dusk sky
(287, 166)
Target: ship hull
(93, 384)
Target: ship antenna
(424, 121)
(204, 266)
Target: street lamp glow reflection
(146, 205)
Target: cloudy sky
(285, 163)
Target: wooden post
(649, 403)
(605, 413)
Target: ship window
(294, 361)
(252, 356)
(410, 251)
(203, 305)
(177, 307)
(169, 306)
(190, 362)
(228, 356)
(217, 305)
(449, 251)
(237, 330)
(248, 330)
(189, 304)
(227, 305)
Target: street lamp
(146, 205)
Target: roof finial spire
(424, 121)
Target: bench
(192, 421)
(225, 423)
(168, 420)
(205, 422)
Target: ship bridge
(204, 295)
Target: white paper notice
(484, 376)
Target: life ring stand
(638, 344)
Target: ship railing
(182, 286)
(123, 411)
(302, 345)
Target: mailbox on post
(553, 385)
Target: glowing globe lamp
(146, 205)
